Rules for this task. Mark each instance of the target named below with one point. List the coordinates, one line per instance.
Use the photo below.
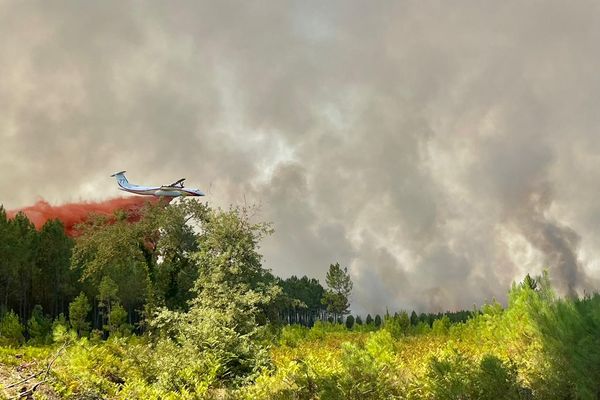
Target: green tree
(302, 302)
(117, 321)
(369, 319)
(107, 299)
(349, 322)
(397, 325)
(359, 320)
(339, 286)
(79, 310)
(117, 251)
(149, 259)
(54, 282)
(377, 321)
(529, 282)
(233, 298)
(8, 263)
(25, 240)
(39, 326)
(11, 330)
(414, 318)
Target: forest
(174, 303)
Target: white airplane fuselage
(175, 190)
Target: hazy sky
(438, 149)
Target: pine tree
(11, 330)
(377, 321)
(349, 322)
(529, 282)
(414, 318)
(39, 326)
(54, 281)
(78, 313)
(339, 287)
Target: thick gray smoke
(440, 150)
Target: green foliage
(79, 310)
(233, 298)
(529, 283)
(453, 376)
(302, 300)
(39, 327)
(364, 369)
(570, 338)
(339, 287)
(117, 322)
(414, 318)
(398, 325)
(441, 326)
(377, 321)
(421, 328)
(11, 330)
(212, 316)
(349, 322)
(292, 335)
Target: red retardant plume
(75, 213)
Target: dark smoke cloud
(439, 150)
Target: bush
(117, 322)
(39, 327)
(398, 325)
(11, 330)
(496, 380)
(441, 326)
(292, 335)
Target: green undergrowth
(539, 347)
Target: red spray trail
(74, 213)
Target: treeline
(190, 280)
(308, 304)
(35, 267)
(116, 272)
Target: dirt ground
(15, 385)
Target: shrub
(397, 325)
(11, 330)
(496, 380)
(39, 327)
(441, 326)
(292, 335)
(117, 322)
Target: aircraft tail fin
(121, 179)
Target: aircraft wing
(179, 182)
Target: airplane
(175, 189)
